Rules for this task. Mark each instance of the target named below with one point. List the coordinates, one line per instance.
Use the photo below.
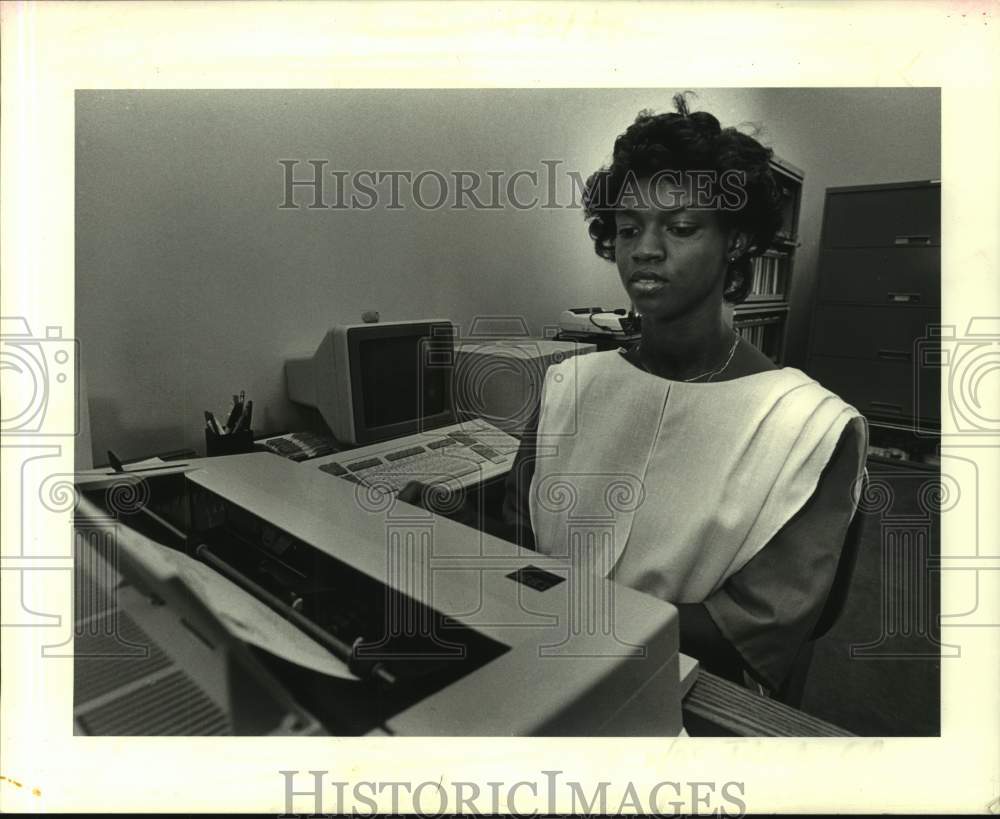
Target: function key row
(404, 453)
(452, 439)
(441, 442)
(463, 438)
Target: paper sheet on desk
(94, 479)
(246, 617)
(155, 461)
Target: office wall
(846, 136)
(192, 282)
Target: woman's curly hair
(685, 141)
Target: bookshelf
(762, 318)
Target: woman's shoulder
(792, 396)
(748, 360)
(795, 394)
(797, 400)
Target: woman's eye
(682, 230)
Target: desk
(717, 707)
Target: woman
(696, 469)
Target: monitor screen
(400, 382)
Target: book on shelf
(769, 274)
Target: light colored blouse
(672, 488)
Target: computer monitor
(372, 382)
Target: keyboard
(458, 456)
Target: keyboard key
(333, 468)
(505, 448)
(368, 463)
(462, 438)
(441, 442)
(404, 453)
(485, 451)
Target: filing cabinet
(900, 215)
(878, 295)
(881, 275)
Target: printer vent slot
(170, 706)
(118, 654)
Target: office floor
(891, 684)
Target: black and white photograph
(478, 414)
(663, 337)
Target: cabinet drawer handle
(904, 298)
(897, 408)
(895, 355)
(912, 240)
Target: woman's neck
(687, 346)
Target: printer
(422, 626)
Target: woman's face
(670, 257)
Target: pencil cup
(235, 443)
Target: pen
(212, 423)
(244, 419)
(234, 414)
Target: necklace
(710, 373)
